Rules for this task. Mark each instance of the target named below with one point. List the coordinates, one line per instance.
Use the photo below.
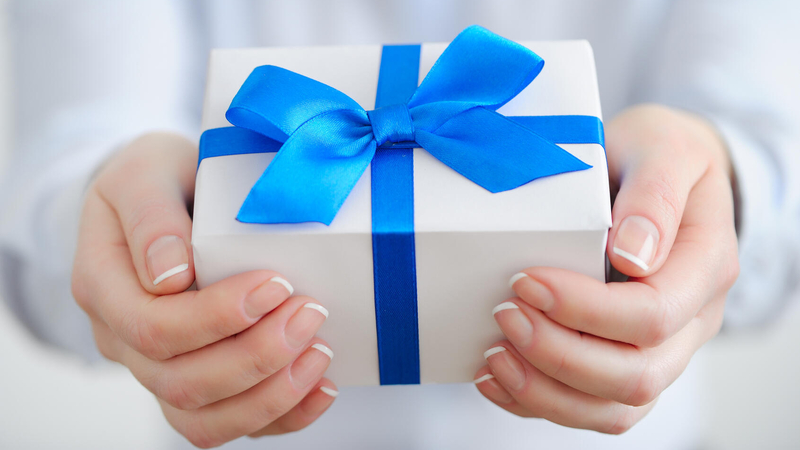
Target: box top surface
(444, 200)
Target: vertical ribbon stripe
(394, 260)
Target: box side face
(336, 270)
(462, 276)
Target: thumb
(149, 185)
(656, 170)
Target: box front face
(462, 276)
(334, 270)
(468, 241)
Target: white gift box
(469, 242)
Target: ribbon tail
(495, 152)
(313, 173)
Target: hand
(236, 358)
(591, 355)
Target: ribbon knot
(391, 124)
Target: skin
(594, 355)
(218, 373)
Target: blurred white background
(51, 400)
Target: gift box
(411, 256)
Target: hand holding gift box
(411, 246)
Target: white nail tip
(324, 349)
(317, 307)
(516, 278)
(504, 306)
(329, 391)
(284, 283)
(631, 258)
(488, 376)
(492, 351)
(174, 271)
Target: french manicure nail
(515, 278)
(267, 296)
(514, 323)
(303, 325)
(493, 390)
(637, 241)
(534, 292)
(329, 391)
(310, 366)
(504, 306)
(493, 351)
(506, 368)
(479, 380)
(283, 283)
(166, 256)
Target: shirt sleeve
(735, 62)
(88, 76)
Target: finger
(109, 345)
(645, 312)
(106, 286)
(235, 364)
(654, 187)
(255, 408)
(149, 188)
(305, 413)
(488, 385)
(608, 369)
(550, 399)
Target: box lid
(444, 200)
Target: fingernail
(534, 292)
(329, 391)
(493, 390)
(283, 283)
(514, 323)
(304, 324)
(267, 296)
(166, 256)
(310, 366)
(637, 241)
(506, 368)
(515, 278)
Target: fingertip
(488, 385)
(634, 248)
(169, 265)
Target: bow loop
(391, 124)
(274, 102)
(479, 68)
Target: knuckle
(270, 409)
(663, 191)
(105, 348)
(195, 431)
(657, 323)
(624, 421)
(145, 337)
(646, 388)
(147, 209)
(730, 269)
(179, 394)
(262, 363)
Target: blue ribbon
(326, 141)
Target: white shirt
(91, 75)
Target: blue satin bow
(329, 140)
